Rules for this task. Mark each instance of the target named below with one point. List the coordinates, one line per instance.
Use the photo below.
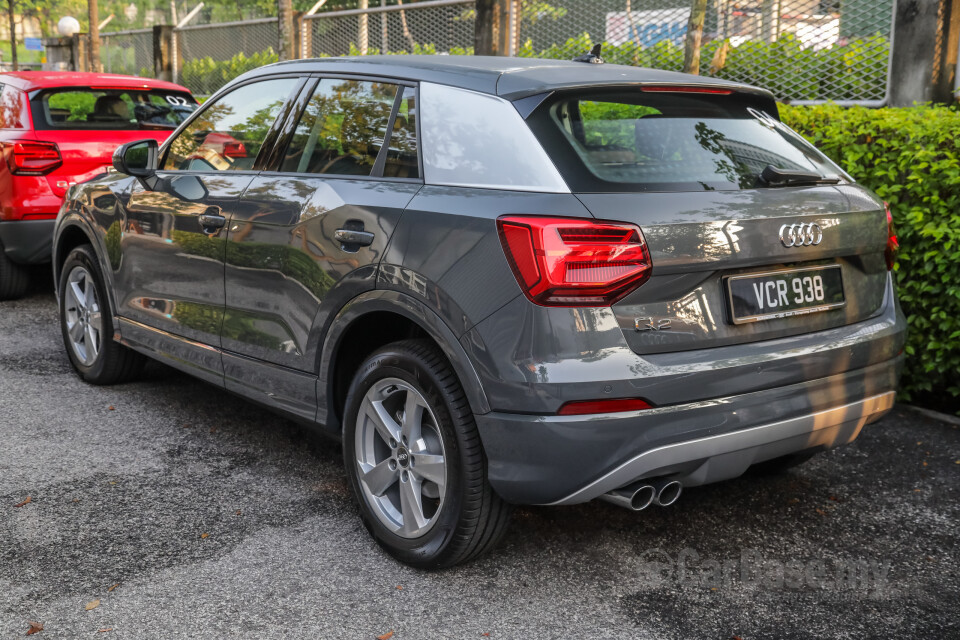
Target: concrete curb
(935, 415)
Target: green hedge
(911, 158)
(206, 75)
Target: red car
(61, 128)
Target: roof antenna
(593, 57)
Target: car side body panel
(446, 251)
(287, 276)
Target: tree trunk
(364, 28)
(770, 20)
(13, 35)
(691, 47)
(94, 16)
(285, 29)
(492, 32)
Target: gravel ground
(189, 513)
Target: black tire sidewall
(84, 256)
(427, 550)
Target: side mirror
(138, 159)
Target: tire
(14, 278)
(94, 354)
(782, 464)
(463, 518)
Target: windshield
(110, 109)
(636, 141)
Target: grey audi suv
(497, 281)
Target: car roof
(511, 78)
(30, 80)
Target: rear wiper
(775, 177)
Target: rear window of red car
(110, 109)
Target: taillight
(31, 158)
(565, 262)
(892, 245)
(612, 405)
(234, 150)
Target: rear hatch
(753, 234)
(88, 123)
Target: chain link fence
(802, 50)
(432, 26)
(210, 55)
(128, 52)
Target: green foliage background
(911, 158)
(783, 66)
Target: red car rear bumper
(27, 241)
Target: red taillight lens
(565, 262)
(234, 150)
(614, 405)
(892, 245)
(30, 158)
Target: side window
(342, 128)
(12, 108)
(228, 134)
(401, 160)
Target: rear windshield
(110, 109)
(636, 141)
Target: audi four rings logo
(801, 235)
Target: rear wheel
(87, 325)
(14, 278)
(415, 461)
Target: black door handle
(351, 240)
(211, 222)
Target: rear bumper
(27, 241)
(571, 459)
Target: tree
(94, 31)
(285, 26)
(13, 34)
(691, 48)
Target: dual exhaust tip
(662, 492)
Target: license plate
(782, 294)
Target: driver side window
(228, 134)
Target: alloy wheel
(82, 315)
(400, 458)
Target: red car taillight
(892, 245)
(31, 158)
(565, 262)
(234, 150)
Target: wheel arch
(370, 321)
(70, 234)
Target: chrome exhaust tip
(636, 497)
(667, 492)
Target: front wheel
(415, 461)
(87, 325)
